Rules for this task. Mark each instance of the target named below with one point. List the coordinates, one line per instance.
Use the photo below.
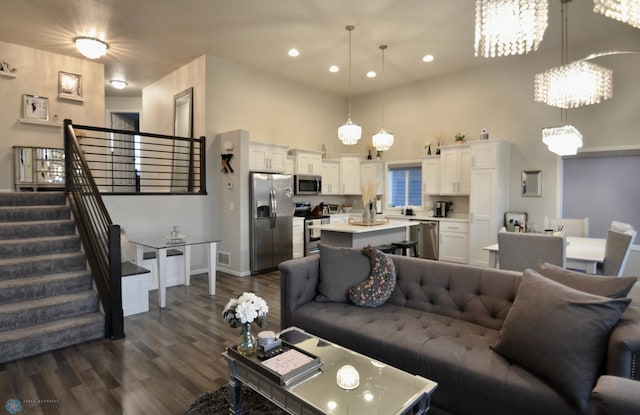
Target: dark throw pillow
(559, 333)
(340, 269)
(613, 287)
(376, 289)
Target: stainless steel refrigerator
(271, 220)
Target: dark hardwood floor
(169, 357)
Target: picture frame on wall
(35, 107)
(70, 86)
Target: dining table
(582, 254)
(160, 244)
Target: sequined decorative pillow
(375, 290)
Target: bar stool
(387, 249)
(405, 246)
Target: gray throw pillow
(559, 333)
(614, 287)
(340, 269)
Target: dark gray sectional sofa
(442, 321)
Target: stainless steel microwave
(307, 184)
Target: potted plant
(460, 138)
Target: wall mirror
(182, 127)
(183, 113)
(532, 183)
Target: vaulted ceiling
(150, 38)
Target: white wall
(499, 97)
(38, 75)
(227, 97)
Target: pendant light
(383, 140)
(349, 133)
(565, 139)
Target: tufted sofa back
(479, 295)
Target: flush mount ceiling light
(563, 141)
(349, 133)
(509, 27)
(118, 84)
(91, 47)
(627, 11)
(383, 140)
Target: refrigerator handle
(272, 199)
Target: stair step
(40, 265)
(34, 213)
(32, 198)
(30, 341)
(20, 230)
(16, 248)
(48, 309)
(26, 289)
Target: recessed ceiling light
(118, 84)
(334, 68)
(427, 58)
(293, 52)
(371, 74)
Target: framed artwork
(512, 217)
(70, 85)
(35, 107)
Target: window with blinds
(405, 186)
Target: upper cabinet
(350, 175)
(431, 176)
(330, 171)
(455, 170)
(306, 161)
(372, 171)
(267, 157)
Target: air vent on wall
(224, 258)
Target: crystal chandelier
(627, 11)
(574, 85)
(91, 47)
(509, 27)
(383, 140)
(349, 133)
(563, 141)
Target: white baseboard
(234, 272)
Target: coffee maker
(441, 209)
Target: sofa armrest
(615, 395)
(298, 285)
(623, 354)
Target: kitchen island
(358, 236)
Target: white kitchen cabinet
(431, 176)
(350, 175)
(372, 171)
(298, 237)
(339, 218)
(489, 196)
(330, 171)
(454, 241)
(455, 170)
(288, 165)
(267, 157)
(306, 161)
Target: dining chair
(519, 251)
(617, 248)
(571, 227)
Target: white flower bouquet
(246, 309)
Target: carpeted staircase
(47, 300)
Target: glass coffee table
(382, 389)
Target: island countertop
(349, 228)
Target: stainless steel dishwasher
(427, 236)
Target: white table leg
(162, 277)
(187, 265)
(493, 259)
(212, 257)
